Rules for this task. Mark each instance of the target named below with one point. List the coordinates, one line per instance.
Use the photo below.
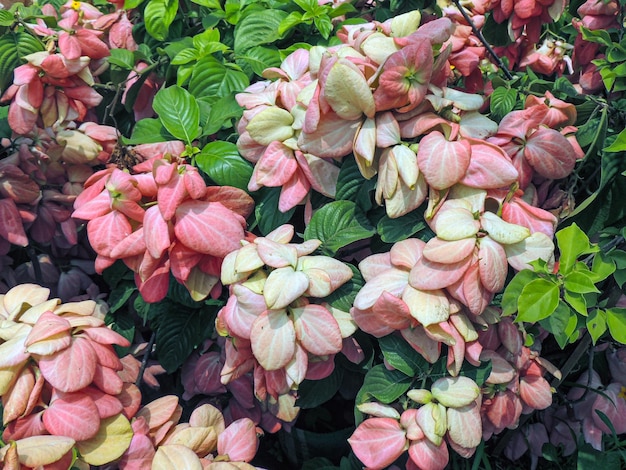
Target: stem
(480, 36)
(144, 361)
(35, 262)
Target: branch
(480, 36)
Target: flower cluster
(163, 218)
(61, 375)
(275, 327)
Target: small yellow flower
(76, 5)
(622, 393)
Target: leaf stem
(146, 356)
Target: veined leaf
(538, 300)
(222, 162)
(383, 384)
(352, 186)
(148, 131)
(257, 28)
(211, 77)
(179, 112)
(14, 46)
(399, 354)
(501, 102)
(266, 212)
(580, 283)
(259, 58)
(343, 298)
(178, 333)
(159, 15)
(312, 393)
(338, 224)
(401, 228)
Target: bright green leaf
(14, 46)
(602, 267)
(539, 298)
(259, 58)
(222, 113)
(572, 243)
(159, 15)
(222, 162)
(502, 102)
(596, 324)
(619, 144)
(148, 131)
(122, 58)
(514, 289)
(616, 320)
(579, 283)
(257, 28)
(6, 18)
(576, 301)
(179, 112)
(338, 224)
(294, 19)
(211, 77)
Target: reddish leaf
(239, 441)
(378, 442)
(73, 415)
(316, 329)
(442, 162)
(273, 339)
(71, 369)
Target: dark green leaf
(120, 295)
(178, 333)
(312, 393)
(123, 324)
(501, 102)
(539, 298)
(179, 112)
(477, 374)
(401, 228)
(268, 217)
(497, 34)
(400, 355)
(343, 298)
(338, 224)
(223, 111)
(384, 385)
(563, 85)
(13, 47)
(222, 162)
(352, 186)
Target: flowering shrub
(321, 233)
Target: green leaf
(579, 283)
(602, 267)
(343, 297)
(619, 144)
(352, 186)
(501, 102)
(185, 56)
(131, 4)
(258, 28)
(120, 295)
(312, 393)
(572, 242)
(478, 374)
(13, 47)
(158, 16)
(212, 4)
(539, 298)
(268, 217)
(211, 77)
(563, 85)
(294, 19)
(223, 111)
(557, 323)
(122, 58)
(148, 131)
(179, 331)
(596, 324)
(384, 385)
(6, 18)
(497, 34)
(400, 355)
(179, 112)
(125, 326)
(401, 228)
(222, 162)
(259, 58)
(600, 36)
(514, 289)
(576, 301)
(338, 224)
(616, 320)
(323, 25)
